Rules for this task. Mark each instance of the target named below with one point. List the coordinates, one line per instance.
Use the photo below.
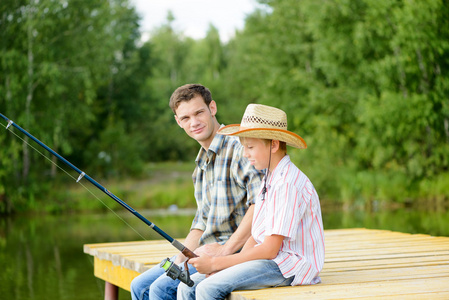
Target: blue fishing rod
(170, 268)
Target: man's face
(197, 119)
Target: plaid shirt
(225, 185)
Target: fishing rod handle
(188, 253)
(184, 250)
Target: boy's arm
(250, 243)
(235, 242)
(267, 250)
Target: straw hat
(264, 122)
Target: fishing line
(172, 270)
(70, 175)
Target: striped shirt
(292, 209)
(225, 185)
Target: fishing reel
(175, 272)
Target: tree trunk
(29, 98)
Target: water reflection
(42, 257)
(404, 220)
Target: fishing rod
(170, 268)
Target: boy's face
(197, 119)
(257, 151)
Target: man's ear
(178, 121)
(213, 108)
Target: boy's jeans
(250, 275)
(154, 284)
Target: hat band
(250, 121)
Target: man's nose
(194, 121)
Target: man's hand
(214, 249)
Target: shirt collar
(204, 156)
(279, 170)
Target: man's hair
(187, 92)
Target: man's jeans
(250, 275)
(154, 284)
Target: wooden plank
(135, 256)
(417, 296)
(400, 288)
(362, 244)
(342, 277)
(359, 263)
(384, 264)
(379, 257)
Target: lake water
(42, 257)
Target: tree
(54, 57)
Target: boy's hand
(203, 264)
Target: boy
(225, 184)
(286, 246)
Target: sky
(194, 16)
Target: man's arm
(191, 242)
(241, 235)
(235, 242)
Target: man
(225, 184)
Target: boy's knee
(185, 292)
(204, 290)
(155, 291)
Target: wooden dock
(360, 263)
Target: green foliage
(362, 81)
(115, 152)
(162, 185)
(54, 58)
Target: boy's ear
(274, 146)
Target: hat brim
(291, 138)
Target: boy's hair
(187, 92)
(282, 145)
